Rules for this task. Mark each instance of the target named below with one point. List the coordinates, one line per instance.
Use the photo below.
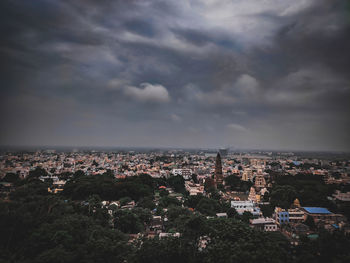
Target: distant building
(165, 235)
(320, 214)
(260, 181)
(185, 173)
(283, 216)
(264, 224)
(219, 178)
(221, 215)
(245, 206)
(252, 195)
(345, 197)
(247, 174)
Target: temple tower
(219, 178)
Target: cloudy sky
(263, 74)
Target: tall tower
(218, 170)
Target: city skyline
(207, 74)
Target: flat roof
(317, 210)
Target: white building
(245, 206)
(185, 173)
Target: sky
(247, 74)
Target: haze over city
(249, 74)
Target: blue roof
(317, 210)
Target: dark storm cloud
(187, 74)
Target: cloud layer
(249, 74)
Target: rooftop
(317, 210)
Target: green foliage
(107, 187)
(11, 178)
(37, 172)
(40, 227)
(166, 201)
(205, 205)
(231, 241)
(146, 202)
(177, 183)
(236, 184)
(267, 210)
(232, 213)
(208, 206)
(128, 222)
(283, 196)
(310, 222)
(170, 250)
(233, 181)
(209, 185)
(124, 200)
(36, 226)
(246, 216)
(329, 247)
(309, 189)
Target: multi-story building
(185, 173)
(245, 206)
(345, 197)
(321, 214)
(264, 224)
(286, 216)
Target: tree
(11, 178)
(127, 222)
(209, 185)
(146, 202)
(246, 216)
(267, 210)
(37, 172)
(233, 181)
(166, 201)
(232, 213)
(177, 183)
(208, 206)
(283, 196)
(310, 222)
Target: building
(293, 216)
(245, 206)
(221, 215)
(185, 173)
(345, 197)
(323, 215)
(219, 178)
(252, 195)
(247, 174)
(281, 216)
(264, 224)
(296, 215)
(260, 181)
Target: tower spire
(218, 170)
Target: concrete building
(185, 173)
(345, 197)
(264, 224)
(260, 181)
(245, 206)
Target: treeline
(110, 188)
(37, 226)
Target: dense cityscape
(172, 205)
(187, 131)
